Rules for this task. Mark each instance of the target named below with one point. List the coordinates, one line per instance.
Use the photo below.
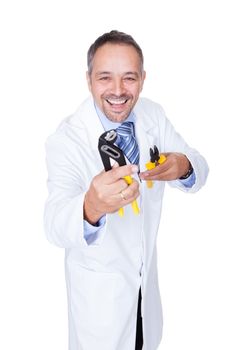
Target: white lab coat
(103, 277)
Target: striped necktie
(127, 143)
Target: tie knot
(125, 129)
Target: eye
(104, 78)
(129, 79)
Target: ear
(88, 77)
(143, 78)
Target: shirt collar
(108, 124)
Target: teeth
(116, 102)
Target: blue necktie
(127, 143)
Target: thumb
(115, 165)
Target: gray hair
(113, 37)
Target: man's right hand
(108, 192)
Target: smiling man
(115, 79)
(111, 261)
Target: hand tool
(155, 159)
(108, 150)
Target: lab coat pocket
(93, 297)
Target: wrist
(188, 173)
(90, 214)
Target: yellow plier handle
(152, 165)
(128, 179)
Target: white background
(188, 59)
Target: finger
(115, 165)
(118, 173)
(124, 197)
(159, 169)
(118, 186)
(167, 175)
(131, 192)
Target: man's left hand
(175, 166)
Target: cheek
(100, 90)
(136, 92)
(96, 92)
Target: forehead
(114, 56)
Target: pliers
(108, 150)
(155, 159)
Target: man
(110, 260)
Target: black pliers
(108, 150)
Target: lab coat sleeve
(63, 215)
(174, 142)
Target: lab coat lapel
(91, 123)
(146, 131)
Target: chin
(117, 117)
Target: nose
(117, 86)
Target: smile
(116, 102)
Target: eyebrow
(108, 73)
(102, 73)
(132, 73)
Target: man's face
(116, 80)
